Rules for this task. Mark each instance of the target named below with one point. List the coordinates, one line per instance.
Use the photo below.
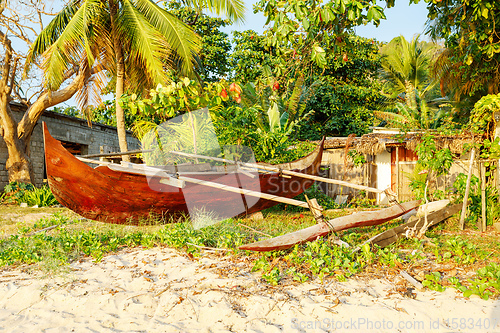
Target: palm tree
(133, 41)
(408, 82)
(407, 65)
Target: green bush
(42, 197)
(14, 192)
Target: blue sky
(402, 19)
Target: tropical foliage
(482, 116)
(406, 66)
(412, 91)
(300, 31)
(251, 57)
(132, 41)
(215, 45)
(468, 68)
(349, 93)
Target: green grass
(451, 250)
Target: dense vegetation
(50, 244)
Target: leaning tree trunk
(18, 164)
(120, 82)
(17, 136)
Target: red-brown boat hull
(124, 198)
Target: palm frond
(64, 52)
(51, 33)
(142, 127)
(177, 34)
(66, 49)
(293, 101)
(147, 47)
(390, 116)
(90, 94)
(233, 9)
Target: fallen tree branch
(256, 231)
(42, 230)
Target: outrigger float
(126, 193)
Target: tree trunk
(18, 163)
(17, 136)
(120, 83)
(120, 115)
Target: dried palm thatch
(375, 143)
(371, 146)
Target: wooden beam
(166, 178)
(392, 235)
(244, 191)
(130, 152)
(286, 172)
(88, 160)
(467, 189)
(141, 170)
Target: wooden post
(397, 174)
(365, 174)
(496, 118)
(467, 189)
(483, 197)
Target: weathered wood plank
(392, 235)
(360, 219)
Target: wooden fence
(401, 173)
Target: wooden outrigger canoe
(114, 194)
(360, 219)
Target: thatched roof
(375, 143)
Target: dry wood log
(392, 235)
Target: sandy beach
(163, 290)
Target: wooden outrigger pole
(245, 165)
(179, 180)
(286, 172)
(174, 180)
(265, 167)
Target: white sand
(162, 290)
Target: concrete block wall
(65, 128)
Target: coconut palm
(133, 41)
(406, 66)
(408, 83)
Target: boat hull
(105, 195)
